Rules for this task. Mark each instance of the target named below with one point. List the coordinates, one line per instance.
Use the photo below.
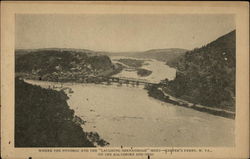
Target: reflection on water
(127, 116)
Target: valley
(143, 98)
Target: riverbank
(126, 116)
(44, 119)
(156, 92)
(152, 71)
(77, 77)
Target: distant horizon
(120, 33)
(114, 51)
(99, 50)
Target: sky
(119, 32)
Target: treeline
(43, 119)
(158, 54)
(132, 62)
(143, 72)
(63, 64)
(206, 75)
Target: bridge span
(118, 80)
(108, 80)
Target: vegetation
(132, 62)
(143, 72)
(164, 54)
(43, 119)
(207, 75)
(157, 54)
(174, 61)
(155, 92)
(61, 65)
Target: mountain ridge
(206, 75)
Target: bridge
(118, 80)
(107, 81)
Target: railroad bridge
(118, 80)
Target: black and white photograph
(125, 80)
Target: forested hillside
(163, 54)
(43, 119)
(207, 75)
(157, 54)
(61, 65)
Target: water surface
(127, 116)
(160, 70)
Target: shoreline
(162, 96)
(64, 94)
(160, 116)
(165, 98)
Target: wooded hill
(157, 54)
(56, 64)
(44, 119)
(207, 75)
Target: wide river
(127, 116)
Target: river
(159, 70)
(127, 116)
